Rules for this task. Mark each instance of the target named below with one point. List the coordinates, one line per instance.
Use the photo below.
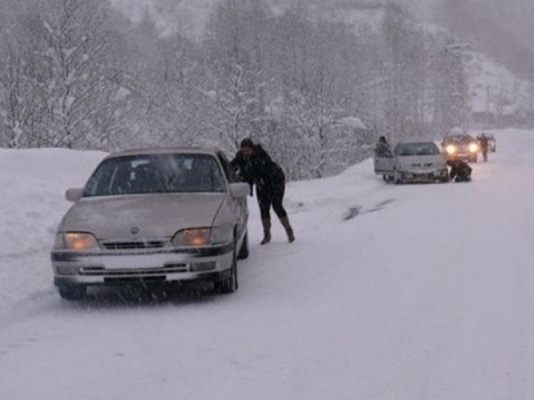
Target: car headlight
(192, 237)
(76, 241)
(450, 149)
(473, 147)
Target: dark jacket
(383, 150)
(259, 170)
(460, 170)
(483, 140)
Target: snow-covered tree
(80, 72)
(236, 39)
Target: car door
(383, 163)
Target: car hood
(151, 216)
(421, 162)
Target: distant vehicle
(492, 142)
(460, 146)
(153, 216)
(413, 162)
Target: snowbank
(33, 201)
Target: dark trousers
(463, 178)
(271, 196)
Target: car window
(156, 173)
(228, 169)
(459, 139)
(416, 149)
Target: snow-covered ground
(411, 292)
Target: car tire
(244, 252)
(397, 178)
(445, 176)
(72, 292)
(473, 159)
(230, 284)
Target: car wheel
(230, 284)
(397, 178)
(473, 159)
(243, 252)
(72, 292)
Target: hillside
(499, 31)
(498, 64)
(189, 16)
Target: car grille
(418, 165)
(134, 280)
(134, 245)
(134, 273)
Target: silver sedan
(412, 162)
(151, 217)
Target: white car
(413, 162)
(154, 216)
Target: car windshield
(459, 138)
(416, 149)
(156, 173)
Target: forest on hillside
(317, 92)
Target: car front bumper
(424, 175)
(155, 265)
(461, 156)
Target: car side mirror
(239, 189)
(74, 194)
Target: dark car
(460, 146)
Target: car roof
(458, 136)
(171, 150)
(416, 142)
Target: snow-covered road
(411, 292)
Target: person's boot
(266, 231)
(289, 230)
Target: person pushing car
(256, 167)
